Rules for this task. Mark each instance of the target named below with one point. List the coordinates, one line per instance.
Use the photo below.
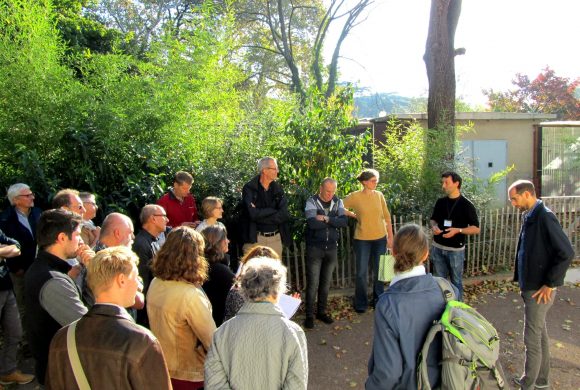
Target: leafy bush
(411, 161)
(318, 145)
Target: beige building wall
(515, 128)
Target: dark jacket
(5, 281)
(13, 228)
(403, 316)
(115, 353)
(40, 325)
(276, 216)
(324, 234)
(547, 253)
(218, 285)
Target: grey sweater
(257, 349)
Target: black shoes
(309, 323)
(325, 318)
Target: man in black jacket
(265, 209)
(324, 216)
(544, 254)
(19, 222)
(52, 298)
(9, 319)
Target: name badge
(447, 223)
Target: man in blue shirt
(544, 254)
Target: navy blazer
(547, 253)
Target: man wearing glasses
(265, 209)
(89, 231)
(153, 222)
(19, 222)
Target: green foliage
(411, 161)
(317, 145)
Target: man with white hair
(265, 209)
(112, 351)
(19, 222)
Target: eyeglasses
(91, 203)
(31, 195)
(160, 215)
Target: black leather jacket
(275, 216)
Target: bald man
(117, 230)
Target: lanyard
(449, 212)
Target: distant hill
(371, 106)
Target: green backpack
(470, 348)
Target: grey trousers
(536, 341)
(12, 331)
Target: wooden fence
(490, 251)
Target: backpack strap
(75, 361)
(446, 289)
(423, 370)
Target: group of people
(166, 309)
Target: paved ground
(338, 353)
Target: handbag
(75, 361)
(386, 267)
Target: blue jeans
(320, 264)
(537, 362)
(10, 322)
(449, 264)
(365, 251)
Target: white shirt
(417, 270)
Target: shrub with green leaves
(411, 161)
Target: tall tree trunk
(440, 62)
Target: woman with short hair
(259, 348)
(372, 235)
(178, 308)
(212, 209)
(403, 316)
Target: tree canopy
(547, 93)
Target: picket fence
(491, 251)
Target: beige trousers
(274, 242)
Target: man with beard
(52, 298)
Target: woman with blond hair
(178, 308)
(235, 300)
(212, 209)
(372, 235)
(403, 316)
